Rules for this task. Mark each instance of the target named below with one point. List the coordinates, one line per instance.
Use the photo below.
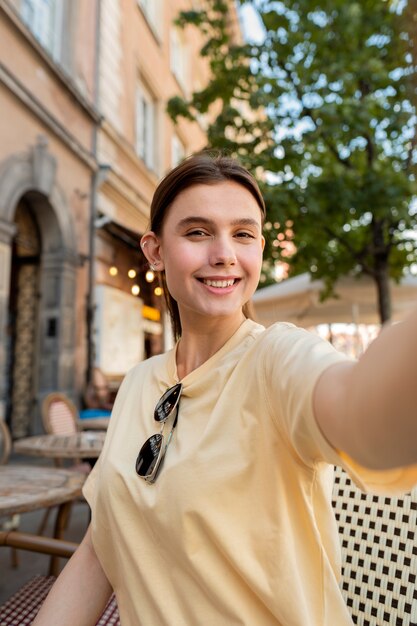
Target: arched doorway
(38, 275)
(23, 321)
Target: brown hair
(203, 168)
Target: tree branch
(358, 256)
(309, 112)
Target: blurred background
(99, 98)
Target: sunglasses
(153, 451)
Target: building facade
(84, 140)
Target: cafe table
(25, 488)
(80, 445)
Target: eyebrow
(244, 221)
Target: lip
(201, 278)
(219, 290)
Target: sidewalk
(31, 564)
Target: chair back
(5, 442)
(59, 415)
(379, 554)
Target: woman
(210, 501)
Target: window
(146, 125)
(153, 12)
(179, 57)
(177, 150)
(44, 19)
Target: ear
(263, 243)
(151, 248)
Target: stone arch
(35, 171)
(32, 175)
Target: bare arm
(369, 409)
(80, 593)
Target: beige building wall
(144, 60)
(84, 139)
(47, 126)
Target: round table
(27, 487)
(82, 445)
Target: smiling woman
(197, 184)
(210, 250)
(225, 513)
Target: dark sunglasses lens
(148, 455)
(167, 403)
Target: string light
(135, 290)
(149, 276)
(158, 291)
(113, 271)
(132, 273)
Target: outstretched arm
(368, 409)
(80, 593)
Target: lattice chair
(22, 608)
(60, 417)
(10, 522)
(379, 554)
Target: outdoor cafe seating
(63, 486)
(379, 560)
(22, 608)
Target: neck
(197, 345)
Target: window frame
(152, 11)
(178, 150)
(45, 23)
(146, 126)
(179, 59)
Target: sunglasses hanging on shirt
(152, 453)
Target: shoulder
(285, 345)
(282, 333)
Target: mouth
(219, 284)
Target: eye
(197, 232)
(245, 235)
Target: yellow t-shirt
(238, 529)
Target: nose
(222, 252)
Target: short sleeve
(294, 362)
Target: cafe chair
(379, 554)
(22, 608)
(60, 417)
(59, 414)
(11, 522)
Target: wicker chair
(60, 417)
(11, 522)
(22, 608)
(379, 554)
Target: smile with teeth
(220, 284)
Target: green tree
(323, 112)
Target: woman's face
(211, 250)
